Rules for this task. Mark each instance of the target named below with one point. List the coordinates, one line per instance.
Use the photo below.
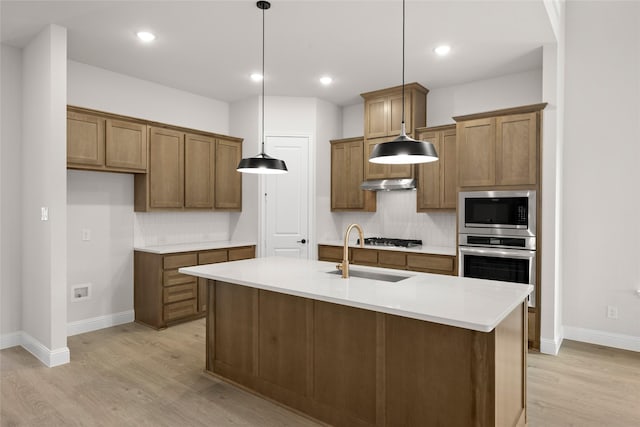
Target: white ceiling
(211, 47)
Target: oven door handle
(497, 252)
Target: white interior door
(287, 198)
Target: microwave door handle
(501, 252)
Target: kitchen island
(426, 350)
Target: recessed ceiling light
(256, 77)
(326, 80)
(442, 50)
(146, 36)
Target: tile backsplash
(396, 217)
(165, 228)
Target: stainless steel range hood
(389, 184)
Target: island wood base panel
(352, 367)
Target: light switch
(44, 213)
(86, 234)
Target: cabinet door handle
(303, 241)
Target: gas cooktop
(384, 241)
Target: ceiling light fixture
(442, 50)
(146, 36)
(326, 80)
(403, 150)
(262, 163)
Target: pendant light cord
(403, 13)
(263, 83)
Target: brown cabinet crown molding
(391, 90)
(504, 112)
(152, 123)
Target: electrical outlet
(612, 312)
(81, 292)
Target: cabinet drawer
(430, 262)
(179, 310)
(245, 252)
(212, 257)
(172, 277)
(364, 256)
(179, 292)
(180, 260)
(392, 259)
(330, 253)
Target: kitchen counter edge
(192, 247)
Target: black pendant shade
(403, 150)
(262, 163)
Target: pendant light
(262, 163)
(403, 150)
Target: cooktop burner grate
(384, 241)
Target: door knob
(303, 241)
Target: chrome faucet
(344, 265)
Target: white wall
(601, 174)
(104, 90)
(10, 197)
(353, 120)
(328, 127)
(44, 182)
(245, 123)
(101, 203)
(550, 238)
(507, 91)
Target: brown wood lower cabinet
(352, 367)
(400, 260)
(162, 296)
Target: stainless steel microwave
(506, 213)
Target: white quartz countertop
(450, 300)
(434, 250)
(190, 247)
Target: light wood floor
(131, 375)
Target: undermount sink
(384, 277)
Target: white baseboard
(551, 347)
(50, 358)
(101, 322)
(10, 340)
(608, 339)
(62, 355)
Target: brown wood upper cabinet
(382, 123)
(437, 188)
(190, 171)
(228, 181)
(199, 168)
(97, 142)
(383, 110)
(499, 148)
(347, 161)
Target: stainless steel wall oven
(497, 236)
